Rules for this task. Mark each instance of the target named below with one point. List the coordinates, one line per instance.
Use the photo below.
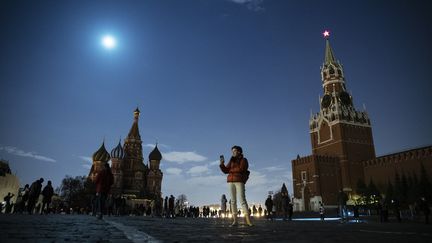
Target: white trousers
(238, 188)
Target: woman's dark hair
(238, 148)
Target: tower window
(303, 175)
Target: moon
(109, 42)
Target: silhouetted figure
(385, 212)
(110, 205)
(260, 210)
(356, 213)
(380, 211)
(285, 201)
(254, 211)
(35, 190)
(290, 210)
(7, 199)
(269, 207)
(396, 210)
(123, 205)
(165, 207)
(24, 198)
(424, 206)
(342, 200)
(93, 202)
(171, 207)
(153, 208)
(103, 181)
(47, 194)
(117, 205)
(223, 204)
(321, 211)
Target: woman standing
(237, 170)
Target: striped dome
(117, 152)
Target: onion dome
(155, 154)
(101, 154)
(117, 152)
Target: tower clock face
(345, 98)
(326, 100)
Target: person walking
(47, 194)
(35, 190)
(260, 211)
(103, 181)
(238, 174)
(269, 207)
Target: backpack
(246, 176)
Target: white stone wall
(9, 183)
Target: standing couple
(238, 173)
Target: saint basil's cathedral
(132, 178)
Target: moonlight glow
(108, 42)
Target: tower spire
(134, 131)
(329, 55)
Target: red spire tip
(326, 34)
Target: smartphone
(221, 157)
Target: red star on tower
(326, 34)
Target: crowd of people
(28, 199)
(102, 202)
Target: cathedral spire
(134, 131)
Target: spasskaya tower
(339, 129)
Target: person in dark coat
(35, 190)
(238, 174)
(171, 207)
(47, 193)
(285, 201)
(356, 213)
(290, 211)
(269, 207)
(224, 204)
(165, 208)
(342, 200)
(260, 210)
(103, 181)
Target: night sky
(206, 75)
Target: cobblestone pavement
(83, 228)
